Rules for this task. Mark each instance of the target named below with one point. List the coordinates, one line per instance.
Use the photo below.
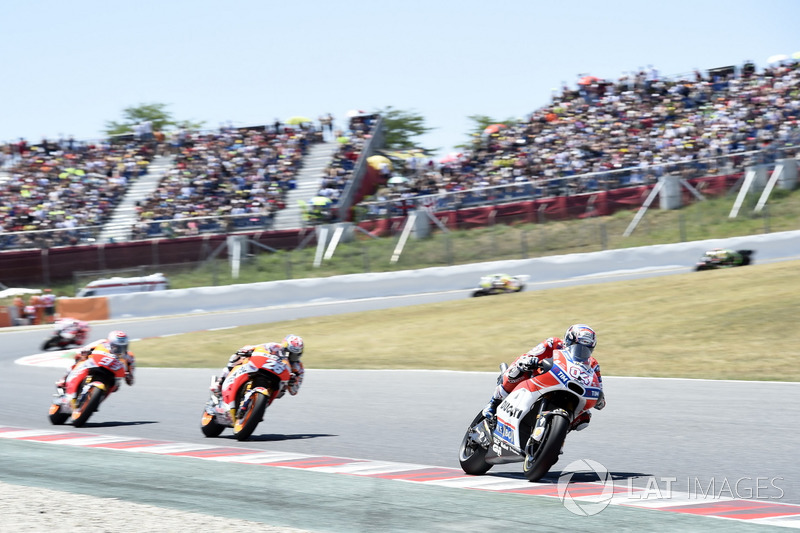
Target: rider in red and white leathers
(78, 330)
(292, 348)
(580, 340)
(116, 345)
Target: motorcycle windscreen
(579, 352)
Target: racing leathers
(103, 347)
(71, 328)
(273, 348)
(527, 365)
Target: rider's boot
(497, 398)
(490, 411)
(216, 387)
(581, 421)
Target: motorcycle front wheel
(253, 414)
(89, 404)
(540, 456)
(472, 455)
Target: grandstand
(563, 161)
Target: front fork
(541, 422)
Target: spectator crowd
(643, 124)
(246, 172)
(64, 186)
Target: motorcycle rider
(78, 329)
(499, 282)
(724, 256)
(291, 347)
(116, 345)
(579, 340)
(502, 281)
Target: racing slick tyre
(253, 414)
(540, 456)
(52, 342)
(210, 426)
(57, 418)
(89, 404)
(472, 455)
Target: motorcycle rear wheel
(471, 455)
(545, 455)
(87, 407)
(244, 426)
(57, 417)
(52, 342)
(210, 426)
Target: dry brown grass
(729, 324)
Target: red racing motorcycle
(87, 386)
(246, 393)
(533, 421)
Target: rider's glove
(552, 343)
(234, 359)
(601, 401)
(527, 363)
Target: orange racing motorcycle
(246, 393)
(86, 387)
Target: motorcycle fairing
(241, 373)
(565, 375)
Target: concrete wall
(355, 286)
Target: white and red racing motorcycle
(247, 391)
(533, 421)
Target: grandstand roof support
(642, 210)
(652, 196)
(785, 173)
(398, 250)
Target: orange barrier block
(83, 308)
(5, 317)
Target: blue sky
(69, 67)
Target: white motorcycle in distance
(499, 284)
(533, 421)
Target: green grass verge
(728, 324)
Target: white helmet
(294, 344)
(118, 342)
(580, 341)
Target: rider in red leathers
(78, 329)
(116, 344)
(580, 340)
(292, 348)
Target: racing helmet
(294, 344)
(118, 342)
(579, 341)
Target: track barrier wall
(437, 279)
